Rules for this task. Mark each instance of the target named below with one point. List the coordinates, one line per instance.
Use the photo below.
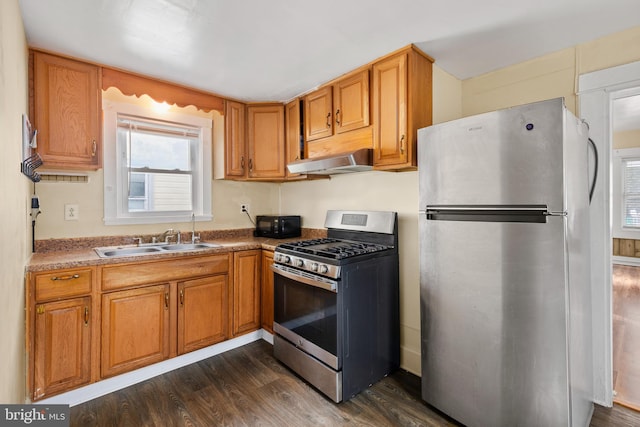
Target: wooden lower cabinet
(246, 291)
(135, 328)
(266, 293)
(203, 312)
(62, 346)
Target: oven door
(306, 313)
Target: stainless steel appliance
(278, 226)
(505, 291)
(336, 303)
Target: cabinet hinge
(40, 309)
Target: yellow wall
(15, 246)
(626, 139)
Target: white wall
(14, 229)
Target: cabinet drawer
(63, 283)
(143, 273)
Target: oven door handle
(307, 281)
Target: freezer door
(493, 300)
(507, 157)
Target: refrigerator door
(508, 157)
(494, 343)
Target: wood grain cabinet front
(135, 328)
(266, 292)
(66, 112)
(62, 346)
(246, 291)
(402, 104)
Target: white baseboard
(109, 385)
(626, 260)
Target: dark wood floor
(248, 387)
(626, 335)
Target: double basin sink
(114, 252)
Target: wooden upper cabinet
(402, 104)
(339, 107)
(265, 141)
(67, 112)
(293, 133)
(62, 346)
(351, 102)
(318, 111)
(235, 152)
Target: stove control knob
(324, 269)
(286, 259)
(314, 266)
(299, 263)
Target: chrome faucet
(194, 238)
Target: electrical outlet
(71, 212)
(244, 207)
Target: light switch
(71, 212)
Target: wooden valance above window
(132, 84)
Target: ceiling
(258, 50)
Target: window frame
(620, 229)
(115, 167)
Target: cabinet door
(62, 347)
(266, 294)
(318, 119)
(236, 158)
(203, 312)
(351, 102)
(135, 328)
(390, 111)
(246, 291)
(67, 112)
(266, 141)
(293, 134)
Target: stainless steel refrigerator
(504, 267)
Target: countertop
(71, 253)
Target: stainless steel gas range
(336, 303)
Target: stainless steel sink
(125, 251)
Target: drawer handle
(86, 316)
(69, 277)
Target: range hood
(354, 161)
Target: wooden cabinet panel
(62, 347)
(235, 151)
(141, 273)
(318, 120)
(63, 283)
(351, 102)
(246, 291)
(135, 328)
(402, 104)
(67, 109)
(203, 312)
(266, 141)
(266, 293)
(292, 135)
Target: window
(631, 192)
(157, 166)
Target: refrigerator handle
(491, 213)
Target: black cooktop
(332, 248)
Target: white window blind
(631, 193)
